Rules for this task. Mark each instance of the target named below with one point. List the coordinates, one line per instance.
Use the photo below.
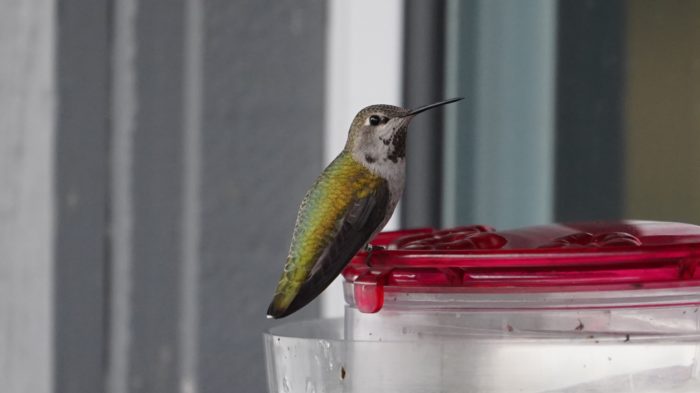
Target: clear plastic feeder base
(495, 352)
(585, 308)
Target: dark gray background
(122, 73)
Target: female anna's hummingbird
(348, 204)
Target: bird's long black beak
(431, 106)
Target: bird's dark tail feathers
(307, 291)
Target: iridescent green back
(320, 215)
(344, 181)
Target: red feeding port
(589, 256)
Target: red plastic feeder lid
(619, 255)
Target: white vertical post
(364, 64)
(124, 119)
(192, 204)
(27, 206)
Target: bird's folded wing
(353, 231)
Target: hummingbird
(348, 204)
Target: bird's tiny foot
(370, 248)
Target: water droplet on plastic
(325, 345)
(310, 387)
(326, 350)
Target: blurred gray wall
(153, 157)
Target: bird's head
(378, 133)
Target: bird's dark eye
(374, 120)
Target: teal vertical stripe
(458, 150)
(499, 152)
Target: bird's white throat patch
(393, 172)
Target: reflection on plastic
(313, 356)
